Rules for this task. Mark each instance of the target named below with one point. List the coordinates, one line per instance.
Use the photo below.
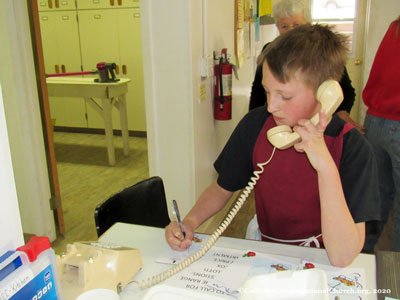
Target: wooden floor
(86, 179)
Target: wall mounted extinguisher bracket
(223, 87)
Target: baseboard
(97, 131)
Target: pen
(178, 217)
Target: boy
(289, 14)
(324, 188)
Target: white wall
(21, 106)
(380, 16)
(10, 224)
(167, 77)
(184, 139)
(210, 135)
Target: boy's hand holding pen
(178, 217)
(178, 236)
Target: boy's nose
(272, 104)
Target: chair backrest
(143, 203)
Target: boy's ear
(260, 59)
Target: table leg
(107, 107)
(124, 123)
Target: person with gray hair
(289, 14)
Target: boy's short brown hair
(314, 50)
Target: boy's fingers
(173, 241)
(175, 230)
(298, 148)
(175, 237)
(186, 243)
(178, 234)
(323, 121)
(176, 244)
(180, 245)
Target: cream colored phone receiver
(329, 94)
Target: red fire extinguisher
(223, 88)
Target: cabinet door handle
(124, 69)
(112, 2)
(57, 2)
(119, 2)
(50, 3)
(117, 69)
(62, 68)
(57, 68)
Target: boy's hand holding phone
(312, 141)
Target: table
(151, 243)
(110, 93)
(388, 273)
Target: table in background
(151, 243)
(110, 93)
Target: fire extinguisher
(223, 88)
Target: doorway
(77, 158)
(347, 17)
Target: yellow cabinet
(128, 3)
(132, 67)
(51, 5)
(61, 49)
(100, 4)
(113, 35)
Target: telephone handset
(330, 96)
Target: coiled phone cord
(146, 283)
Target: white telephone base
(92, 265)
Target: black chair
(143, 203)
